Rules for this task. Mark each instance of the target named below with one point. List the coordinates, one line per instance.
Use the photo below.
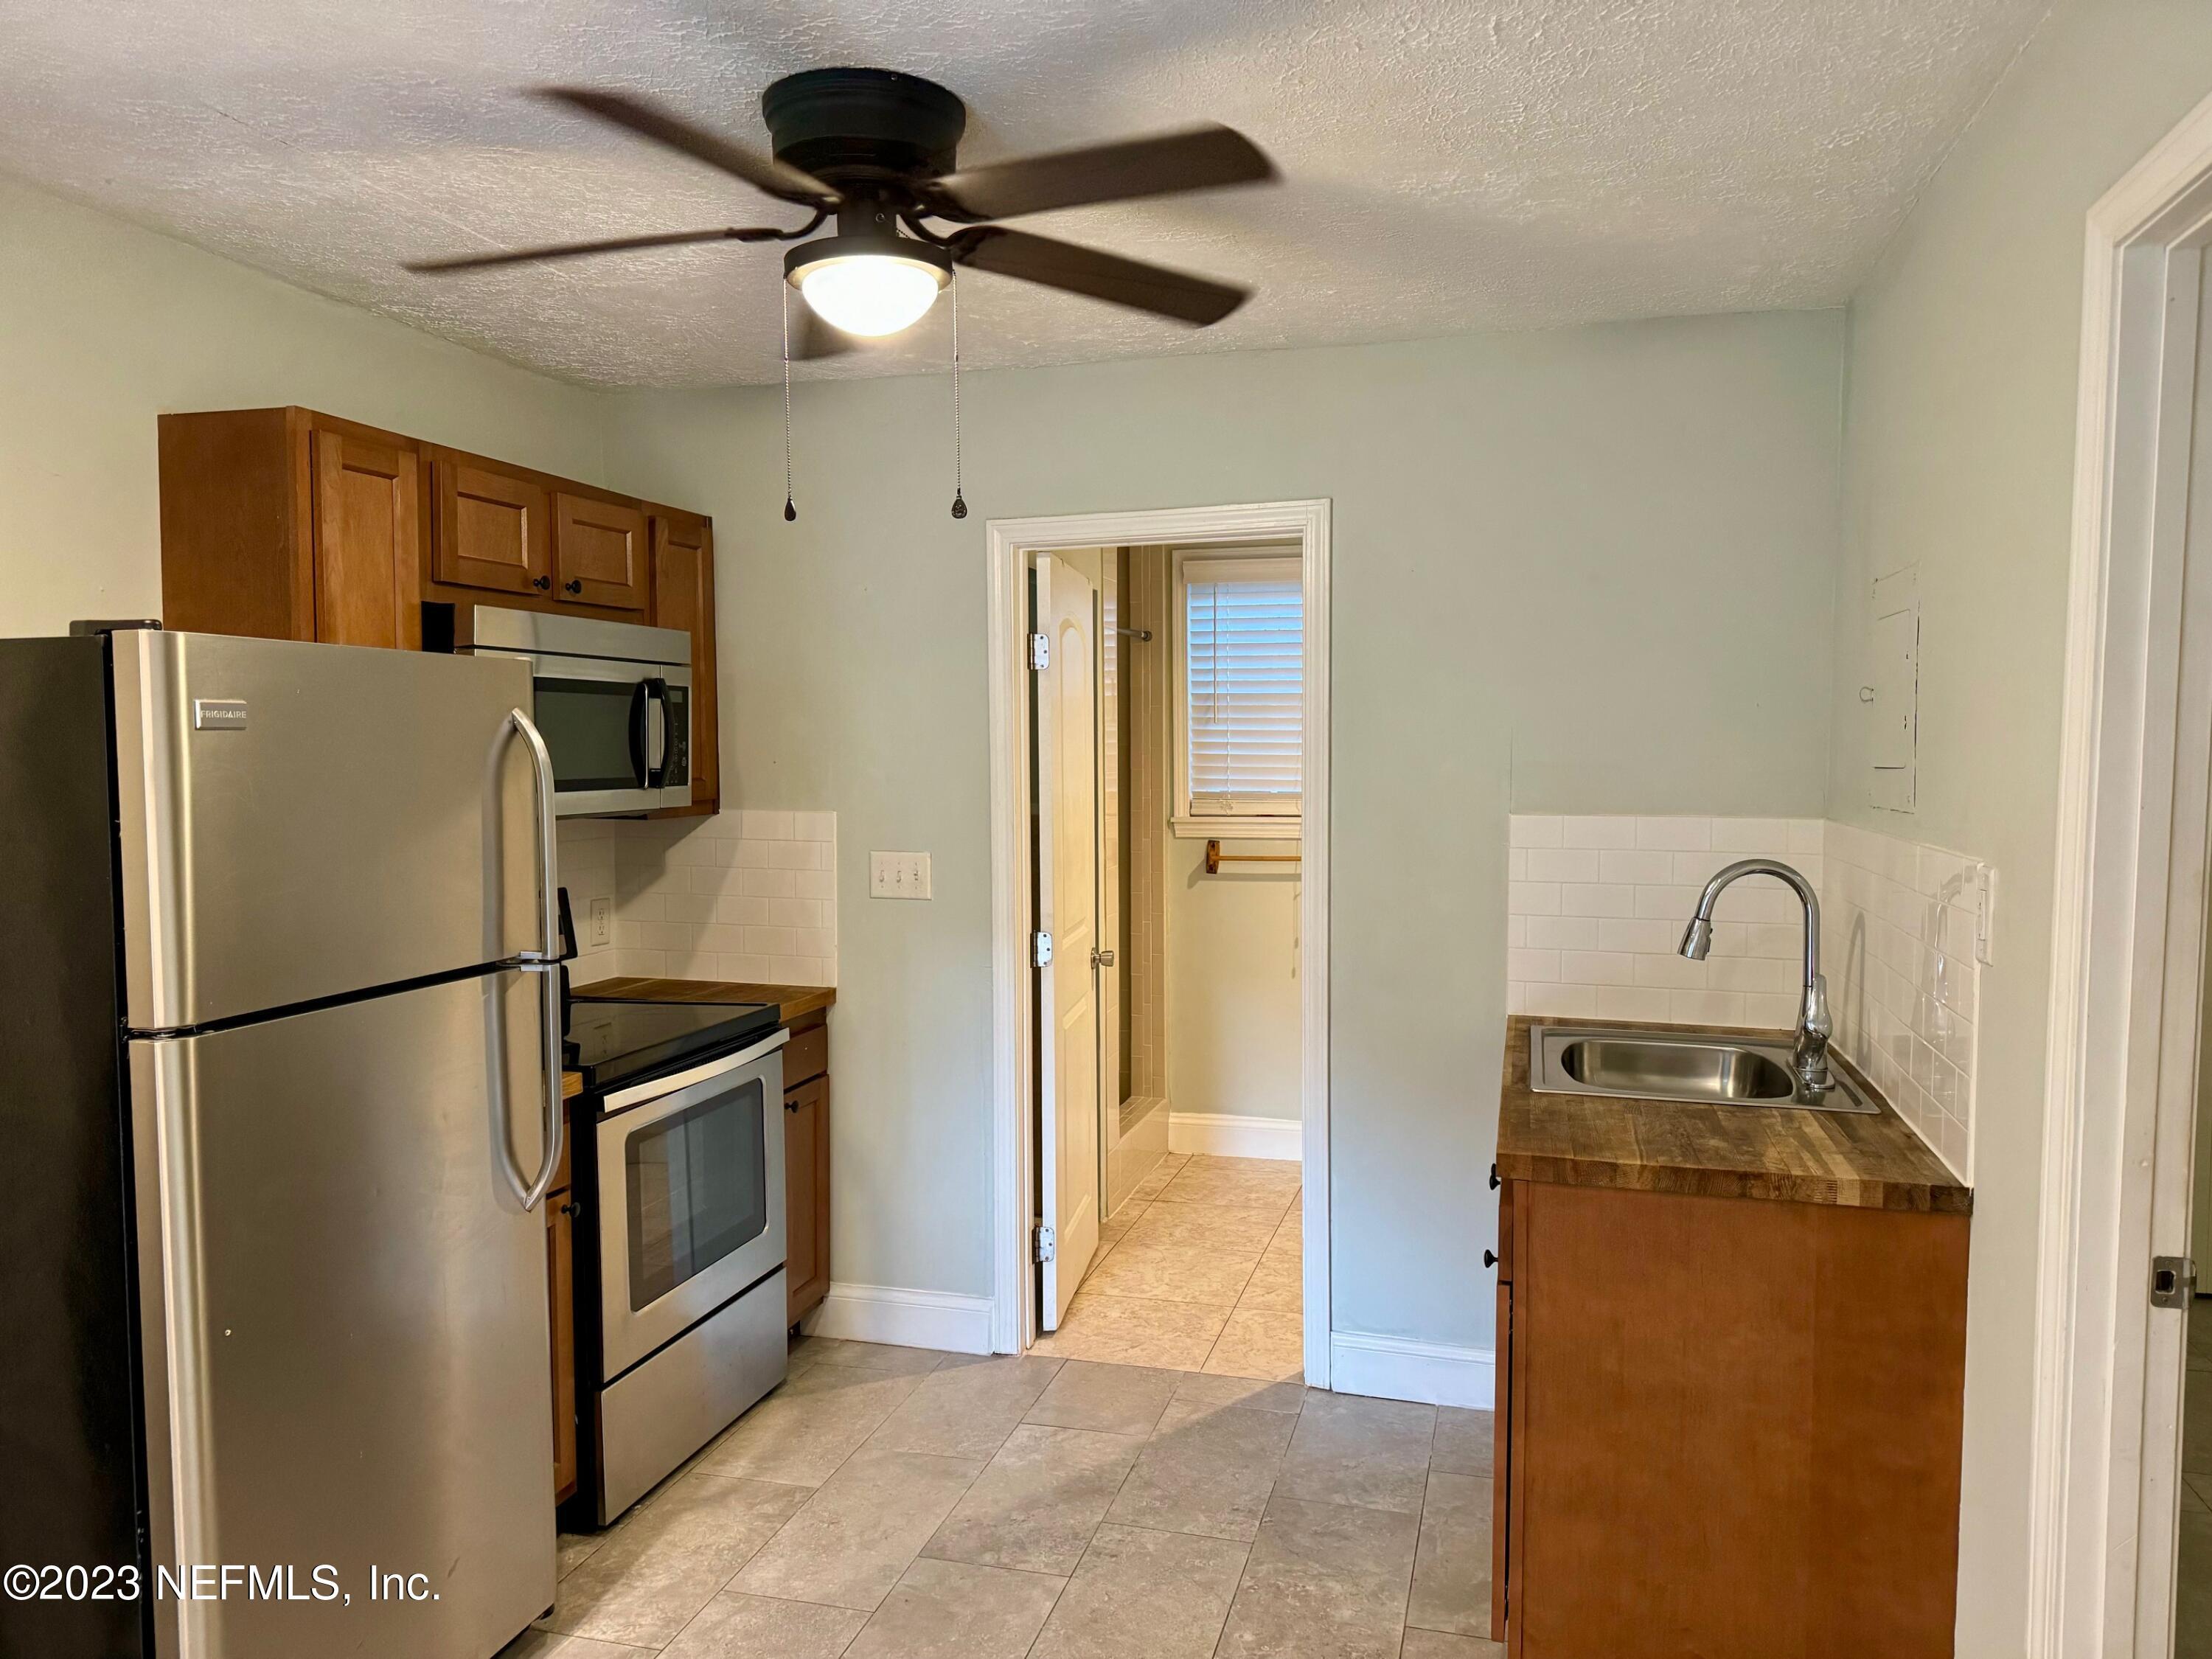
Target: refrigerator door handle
(543, 962)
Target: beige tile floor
(897, 1504)
(1199, 1270)
(2192, 1614)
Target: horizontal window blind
(1244, 646)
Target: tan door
(1067, 914)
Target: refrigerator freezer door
(343, 1320)
(308, 820)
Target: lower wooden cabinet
(806, 1166)
(560, 1285)
(1728, 1428)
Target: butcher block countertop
(1844, 1159)
(792, 1000)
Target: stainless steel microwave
(612, 699)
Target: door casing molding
(2127, 932)
(1009, 542)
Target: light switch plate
(603, 922)
(898, 875)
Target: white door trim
(2127, 925)
(1013, 1316)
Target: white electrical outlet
(898, 875)
(603, 922)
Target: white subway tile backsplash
(1595, 907)
(1562, 863)
(744, 895)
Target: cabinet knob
(571, 1209)
(576, 586)
(1490, 1258)
(1493, 1177)
(541, 583)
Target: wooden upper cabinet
(494, 527)
(684, 597)
(599, 552)
(289, 525)
(295, 526)
(369, 540)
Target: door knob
(1102, 958)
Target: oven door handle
(661, 1088)
(656, 741)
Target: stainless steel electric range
(681, 1309)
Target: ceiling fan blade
(649, 120)
(1195, 160)
(1101, 275)
(572, 250)
(812, 337)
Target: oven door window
(595, 731)
(698, 1187)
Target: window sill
(1237, 828)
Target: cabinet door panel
(806, 1189)
(492, 529)
(684, 597)
(367, 542)
(599, 552)
(559, 1276)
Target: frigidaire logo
(218, 715)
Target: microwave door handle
(544, 962)
(639, 726)
(656, 695)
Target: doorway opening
(1165, 776)
(1159, 783)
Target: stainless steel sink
(1702, 1068)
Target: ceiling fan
(875, 150)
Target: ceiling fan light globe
(871, 295)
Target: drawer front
(808, 1056)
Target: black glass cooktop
(612, 1043)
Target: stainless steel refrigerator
(282, 1063)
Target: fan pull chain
(790, 512)
(959, 502)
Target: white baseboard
(911, 1318)
(1391, 1368)
(1220, 1135)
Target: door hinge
(1040, 651)
(2172, 1281)
(1042, 1243)
(1040, 949)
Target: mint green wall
(1583, 570)
(104, 326)
(1234, 1021)
(1959, 456)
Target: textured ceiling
(1448, 167)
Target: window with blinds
(1242, 662)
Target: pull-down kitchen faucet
(1810, 1053)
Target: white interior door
(1069, 1081)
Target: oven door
(619, 733)
(690, 1198)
